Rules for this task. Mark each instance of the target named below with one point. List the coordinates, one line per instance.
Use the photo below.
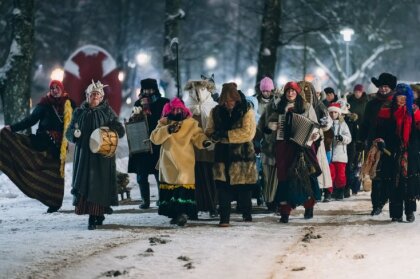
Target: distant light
(238, 81)
(142, 58)
(57, 74)
(282, 80)
(128, 101)
(250, 92)
(309, 77)
(121, 76)
(320, 72)
(131, 64)
(211, 62)
(347, 33)
(252, 71)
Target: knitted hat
(385, 79)
(266, 84)
(358, 87)
(329, 90)
(58, 83)
(174, 104)
(335, 107)
(292, 85)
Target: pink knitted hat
(175, 103)
(266, 84)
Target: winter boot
(376, 211)
(395, 219)
(327, 196)
(339, 194)
(347, 192)
(284, 219)
(410, 217)
(52, 209)
(224, 217)
(100, 220)
(309, 213)
(182, 220)
(145, 196)
(92, 222)
(247, 217)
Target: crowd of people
(285, 147)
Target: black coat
(94, 176)
(146, 162)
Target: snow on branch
(179, 15)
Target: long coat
(234, 156)
(177, 158)
(94, 176)
(146, 162)
(339, 148)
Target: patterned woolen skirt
(176, 199)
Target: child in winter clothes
(342, 138)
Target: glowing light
(252, 71)
(142, 58)
(211, 62)
(282, 80)
(347, 33)
(320, 72)
(121, 76)
(309, 77)
(128, 101)
(57, 74)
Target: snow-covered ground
(341, 241)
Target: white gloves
(136, 110)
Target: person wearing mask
(149, 106)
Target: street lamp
(252, 71)
(57, 74)
(142, 58)
(347, 33)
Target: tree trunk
(270, 31)
(172, 8)
(15, 75)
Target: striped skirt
(36, 174)
(176, 199)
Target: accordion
(297, 128)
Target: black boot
(182, 220)
(376, 211)
(347, 192)
(92, 222)
(145, 195)
(284, 219)
(52, 209)
(247, 217)
(100, 220)
(309, 213)
(327, 196)
(339, 194)
(410, 217)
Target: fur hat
(329, 90)
(197, 83)
(385, 79)
(173, 104)
(58, 83)
(344, 106)
(149, 83)
(292, 85)
(95, 87)
(308, 91)
(335, 107)
(403, 89)
(266, 84)
(358, 87)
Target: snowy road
(342, 241)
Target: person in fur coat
(177, 133)
(232, 125)
(339, 158)
(200, 102)
(297, 167)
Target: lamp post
(347, 33)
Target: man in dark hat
(331, 97)
(149, 105)
(375, 126)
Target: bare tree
(15, 75)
